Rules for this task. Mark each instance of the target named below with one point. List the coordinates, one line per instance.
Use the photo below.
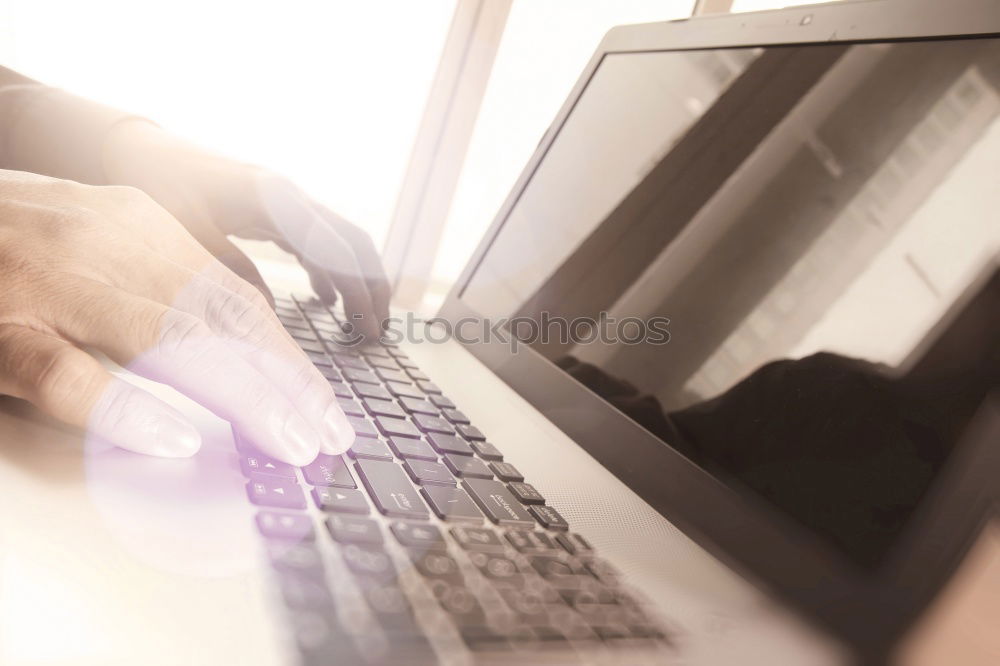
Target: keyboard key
(369, 448)
(544, 541)
(349, 361)
(256, 464)
(404, 447)
(275, 492)
(426, 471)
(602, 571)
(340, 500)
(526, 541)
(487, 451)
(494, 566)
(458, 601)
(328, 470)
(612, 632)
(387, 363)
(331, 334)
(574, 544)
(351, 406)
(476, 538)
(429, 423)
(417, 374)
(396, 352)
(471, 432)
(362, 427)
(526, 493)
(497, 502)
(432, 564)
(342, 390)
(418, 536)
(331, 373)
(355, 375)
(392, 374)
(553, 568)
(305, 592)
(374, 351)
(368, 561)
(285, 526)
(428, 387)
(506, 472)
(442, 402)
(418, 406)
(319, 358)
(405, 390)
(483, 638)
(311, 346)
(301, 558)
(391, 427)
(455, 416)
(390, 489)
(449, 444)
(297, 328)
(549, 517)
(353, 529)
(451, 503)
(378, 407)
(371, 391)
(392, 610)
(529, 606)
(467, 466)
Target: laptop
(719, 385)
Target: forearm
(49, 131)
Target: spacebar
(389, 488)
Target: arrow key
(340, 500)
(275, 492)
(420, 536)
(255, 463)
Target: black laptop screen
(751, 252)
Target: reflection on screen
(810, 219)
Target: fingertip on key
(339, 435)
(298, 444)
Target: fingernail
(298, 443)
(339, 435)
(174, 438)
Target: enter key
(497, 502)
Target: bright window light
(328, 93)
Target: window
(328, 93)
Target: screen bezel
(867, 610)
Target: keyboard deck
(423, 541)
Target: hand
(107, 268)
(215, 197)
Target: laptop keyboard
(423, 534)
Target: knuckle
(65, 375)
(178, 330)
(114, 409)
(235, 314)
(128, 195)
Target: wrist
(131, 149)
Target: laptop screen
(748, 251)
